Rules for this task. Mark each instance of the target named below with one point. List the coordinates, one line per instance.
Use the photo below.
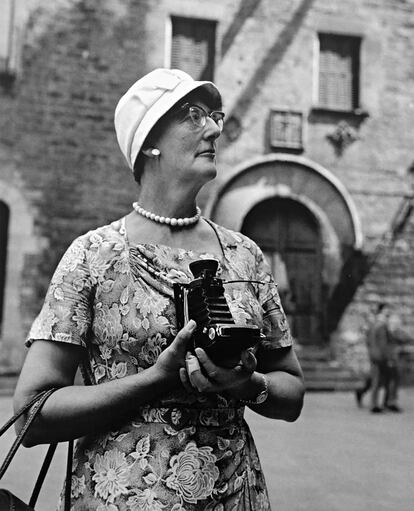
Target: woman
(161, 428)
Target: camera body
(203, 300)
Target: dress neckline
(123, 232)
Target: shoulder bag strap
(68, 482)
(35, 406)
(24, 409)
(42, 474)
(44, 470)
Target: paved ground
(336, 457)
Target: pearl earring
(155, 152)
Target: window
(4, 227)
(193, 47)
(8, 44)
(6, 24)
(286, 129)
(339, 72)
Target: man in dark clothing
(377, 342)
(383, 350)
(397, 337)
(384, 339)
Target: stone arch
(20, 242)
(301, 180)
(295, 177)
(287, 175)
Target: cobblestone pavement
(336, 457)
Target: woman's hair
(202, 94)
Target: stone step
(323, 373)
(307, 353)
(340, 374)
(320, 364)
(326, 369)
(331, 385)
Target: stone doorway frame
(265, 177)
(21, 242)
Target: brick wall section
(74, 173)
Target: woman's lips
(210, 154)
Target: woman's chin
(212, 168)
(208, 172)
(213, 172)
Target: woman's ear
(151, 152)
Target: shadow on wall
(273, 56)
(359, 265)
(246, 10)
(353, 273)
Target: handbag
(9, 501)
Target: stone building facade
(313, 163)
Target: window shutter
(338, 72)
(193, 47)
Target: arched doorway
(4, 232)
(289, 235)
(17, 244)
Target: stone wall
(391, 281)
(77, 60)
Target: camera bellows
(203, 300)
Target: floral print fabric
(182, 452)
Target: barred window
(286, 129)
(339, 71)
(193, 46)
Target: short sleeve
(66, 313)
(275, 324)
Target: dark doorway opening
(289, 235)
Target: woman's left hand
(205, 376)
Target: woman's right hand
(173, 358)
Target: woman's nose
(211, 129)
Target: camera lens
(206, 267)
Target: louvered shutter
(338, 71)
(193, 47)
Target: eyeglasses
(199, 116)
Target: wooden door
(289, 236)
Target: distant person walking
(384, 337)
(397, 338)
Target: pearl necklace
(174, 222)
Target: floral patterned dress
(181, 452)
